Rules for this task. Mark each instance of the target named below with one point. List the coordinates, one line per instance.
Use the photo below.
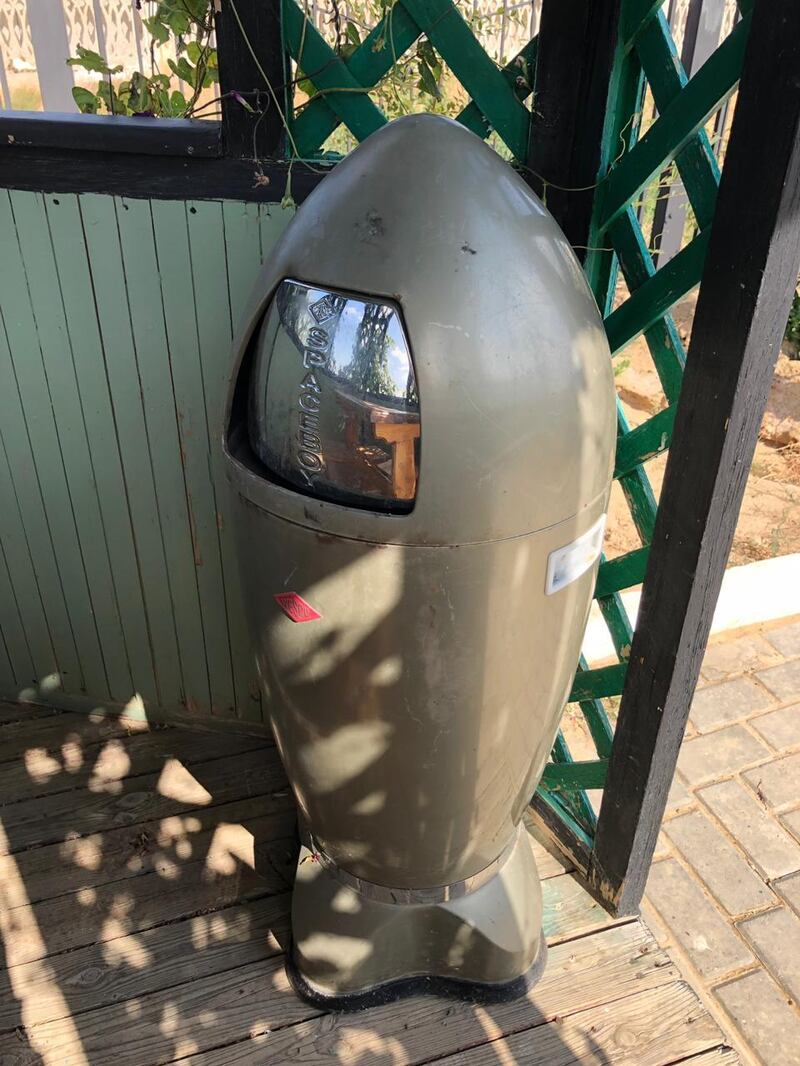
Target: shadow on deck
(144, 895)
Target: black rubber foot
(450, 987)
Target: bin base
(351, 950)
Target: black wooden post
(749, 276)
(251, 75)
(575, 55)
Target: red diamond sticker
(295, 607)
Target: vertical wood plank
(174, 267)
(255, 131)
(574, 65)
(749, 276)
(63, 392)
(77, 294)
(22, 612)
(272, 221)
(34, 459)
(213, 316)
(108, 279)
(242, 252)
(143, 288)
(17, 671)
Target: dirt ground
(769, 523)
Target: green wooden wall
(117, 571)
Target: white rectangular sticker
(566, 564)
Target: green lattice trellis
(645, 56)
(496, 95)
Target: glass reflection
(334, 409)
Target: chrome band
(437, 894)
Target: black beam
(252, 76)
(749, 277)
(575, 58)
(109, 133)
(152, 177)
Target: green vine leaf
(91, 61)
(87, 102)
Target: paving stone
(723, 752)
(718, 863)
(719, 704)
(777, 782)
(741, 655)
(695, 923)
(783, 680)
(789, 888)
(780, 728)
(776, 938)
(767, 843)
(653, 922)
(792, 822)
(786, 639)
(662, 848)
(768, 1023)
(679, 796)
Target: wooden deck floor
(144, 892)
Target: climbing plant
(188, 26)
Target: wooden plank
(549, 861)
(78, 296)
(23, 736)
(49, 764)
(243, 256)
(134, 135)
(272, 221)
(577, 44)
(163, 957)
(328, 73)
(580, 975)
(230, 870)
(39, 343)
(7, 675)
(177, 295)
(370, 62)
(679, 121)
(213, 315)
(697, 164)
(720, 1056)
(18, 671)
(156, 178)
(248, 37)
(108, 279)
(644, 442)
(106, 645)
(130, 851)
(568, 911)
(143, 287)
(661, 1025)
(753, 253)
(662, 337)
(29, 547)
(635, 16)
(175, 790)
(446, 28)
(574, 776)
(622, 572)
(604, 681)
(23, 712)
(654, 298)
